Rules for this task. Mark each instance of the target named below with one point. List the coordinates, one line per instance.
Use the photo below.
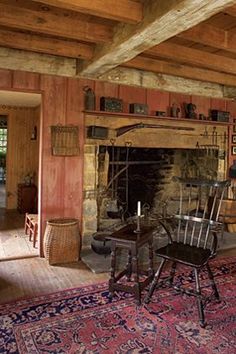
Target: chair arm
(215, 229)
(214, 243)
(167, 224)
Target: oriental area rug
(85, 321)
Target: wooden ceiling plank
(211, 36)
(158, 66)
(123, 10)
(49, 23)
(194, 57)
(162, 20)
(231, 10)
(47, 45)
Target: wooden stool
(31, 226)
(128, 239)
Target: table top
(127, 233)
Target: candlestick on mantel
(139, 208)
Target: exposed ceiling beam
(194, 57)
(162, 20)
(54, 24)
(127, 76)
(211, 36)
(123, 10)
(162, 67)
(47, 45)
(13, 59)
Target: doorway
(19, 169)
(3, 158)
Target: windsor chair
(192, 236)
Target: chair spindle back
(199, 209)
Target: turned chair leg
(213, 284)
(199, 299)
(154, 282)
(172, 272)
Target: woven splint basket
(62, 241)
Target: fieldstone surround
(197, 153)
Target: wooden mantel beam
(194, 57)
(13, 59)
(123, 10)
(162, 20)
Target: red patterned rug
(84, 321)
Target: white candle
(139, 208)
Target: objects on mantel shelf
(160, 114)
(190, 110)
(111, 104)
(138, 108)
(220, 116)
(89, 98)
(175, 110)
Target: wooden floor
(23, 273)
(29, 275)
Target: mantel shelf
(143, 117)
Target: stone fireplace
(139, 166)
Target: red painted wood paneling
(217, 103)
(105, 89)
(5, 79)
(26, 81)
(202, 104)
(52, 167)
(180, 100)
(231, 107)
(73, 199)
(158, 101)
(131, 94)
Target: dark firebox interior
(138, 174)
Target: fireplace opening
(129, 174)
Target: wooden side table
(26, 198)
(127, 238)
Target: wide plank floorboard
(26, 275)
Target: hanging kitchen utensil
(127, 144)
(112, 204)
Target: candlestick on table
(139, 208)
(138, 217)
